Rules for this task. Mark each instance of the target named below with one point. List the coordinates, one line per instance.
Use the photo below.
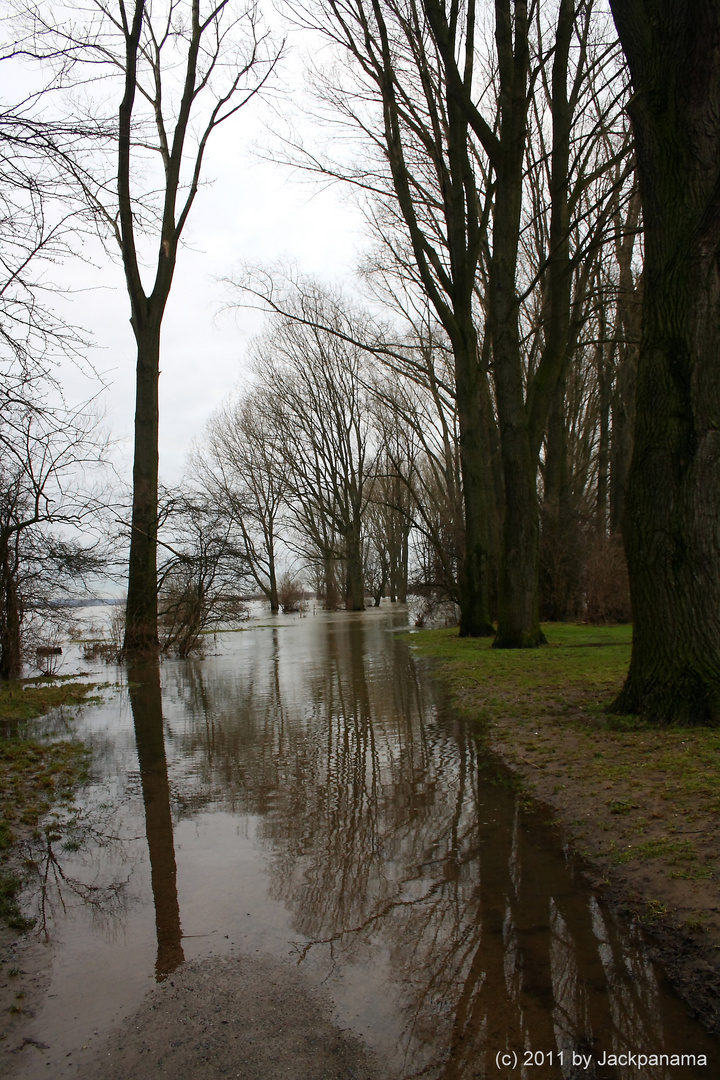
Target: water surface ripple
(304, 792)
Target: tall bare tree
(48, 449)
(426, 144)
(184, 67)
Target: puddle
(302, 792)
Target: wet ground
(301, 797)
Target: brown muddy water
(303, 793)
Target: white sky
(254, 211)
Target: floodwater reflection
(305, 790)
(146, 704)
(403, 853)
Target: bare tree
(183, 68)
(240, 468)
(316, 408)
(48, 458)
(201, 573)
(426, 146)
(418, 424)
(49, 451)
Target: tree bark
(557, 532)
(522, 418)
(474, 576)
(10, 620)
(141, 632)
(627, 343)
(670, 525)
(354, 578)
(518, 613)
(272, 592)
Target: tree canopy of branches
(48, 450)
(316, 414)
(239, 467)
(48, 455)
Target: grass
(35, 776)
(643, 786)
(27, 699)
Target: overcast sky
(252, 211)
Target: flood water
(303, 792)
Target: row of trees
(343, 457)
(454, 156)
(503, 190)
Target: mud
(246, 1017)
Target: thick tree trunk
(670, 525)
(518, 611)
(558, 534)
(621, 433)
(522, 423)
(329, 564)
(627, 342)
(273, 588)
(519, 605)
(141, 629)
(354, 578)
(474, 577)
(10, 620)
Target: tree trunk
(10, 643)
(522, 423)
(604, 379)
(273, 588)
(354, 578)
(518, 608)
(402, 579)
(557, 539)
(474, 577)
(621, 433)
(141, 630)
(670, 525)
(329, 582)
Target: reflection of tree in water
(73, 835)
(146, 704)
(389, 834)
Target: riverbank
(639, 803)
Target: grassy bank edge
(640, 804)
